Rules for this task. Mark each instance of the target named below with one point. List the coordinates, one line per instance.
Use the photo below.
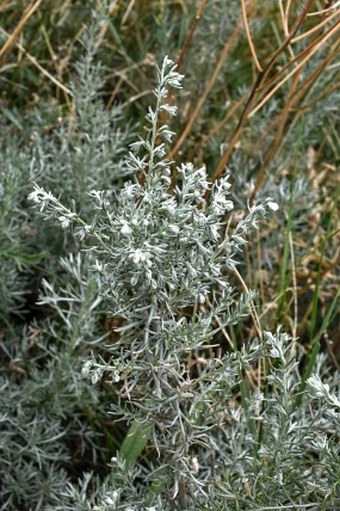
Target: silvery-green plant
(47, 419)
(163, 251)
(85, 147)
(48, 425)
(71, 151)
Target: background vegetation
(260, 97)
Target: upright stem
(182, 496)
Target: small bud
(126, 229)
(195, 465)
(273, 206)
(86, 368)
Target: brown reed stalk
(295, 97)
(189, 38)
(211, 82)
(185, 49)
(260, 80)
(34, 61)
(29, 11)
(283, 119)
(304, 88)
(248, 34)
(307, 54)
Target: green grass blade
(135, 441)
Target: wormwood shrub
(57, 151)
(210, 427)
(49, 415)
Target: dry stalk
(212, 80)
(284, 17)
(295, 97)
(112, 10)
(316, 28)
(260, 80)
(30, 10)
(250, 41)
(309, 52)
(283, 119)
(185, 48)
(34, 61)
